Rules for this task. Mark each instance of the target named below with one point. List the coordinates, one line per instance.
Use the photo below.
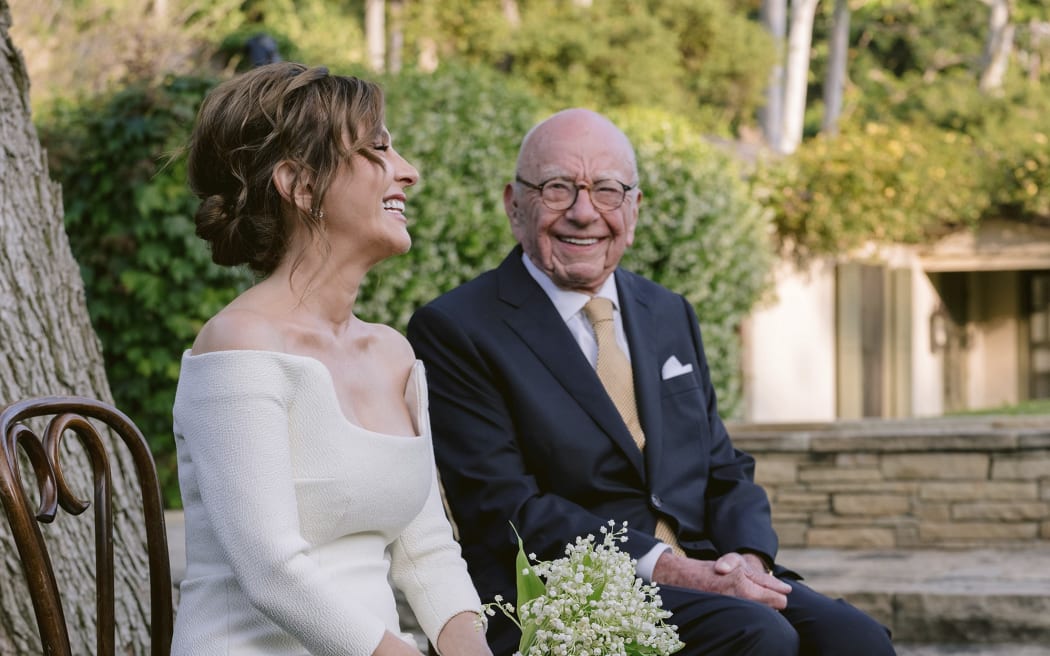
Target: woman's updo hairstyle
(250, 124)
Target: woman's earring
(317, 213)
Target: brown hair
(247, 126)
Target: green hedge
(151, 285)
(149, 280)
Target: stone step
(967, 597)
(972, 650)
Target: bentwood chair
(80, 416)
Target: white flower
(593, 604)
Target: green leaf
(530, 585)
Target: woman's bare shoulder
(392, 346)
(239, 328)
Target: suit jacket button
(656, 501)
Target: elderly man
(567, 391)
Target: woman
(304, 446)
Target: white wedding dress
(297, 519)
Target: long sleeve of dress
(426, 563)
(427, 566)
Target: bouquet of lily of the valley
(588, 603)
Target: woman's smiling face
(366, 200)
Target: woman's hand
(391, 645)
(461, 636)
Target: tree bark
(47, 346)
(997, 47)
(375, 33)
(796, 74)
(838, 56)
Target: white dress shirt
(569, 305)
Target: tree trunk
(774, 18)
(159, 10)
(1039, 34)
(838, 56)
(796, 74)
(375, 33)
(395, 53)
(998, 46)
(511, 13)
(47, 346)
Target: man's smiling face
(581, 246)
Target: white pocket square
(674, 368)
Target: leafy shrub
(1016, 155)
(635, 61)
(973, 157)
(149, 280)
(700, 233)
(883, 183)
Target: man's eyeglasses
(560, 194)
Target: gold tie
(614, 370)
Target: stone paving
(989, 596)
(972, 650)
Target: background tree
(773, 15)
(725, 57)
(87, 47)
(375, 34)
(796, 73)
(838, 59)
(998, 46)
(395, 51)
(703, 58)
(923, 149)
(47, 346)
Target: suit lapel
(535, 320)
(641, 331)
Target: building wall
(927, 370)
(804, 351)
(789, 350)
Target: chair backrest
(74, 414)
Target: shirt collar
(569, 303)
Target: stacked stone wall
(908, 484)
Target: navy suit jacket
(525, 434)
